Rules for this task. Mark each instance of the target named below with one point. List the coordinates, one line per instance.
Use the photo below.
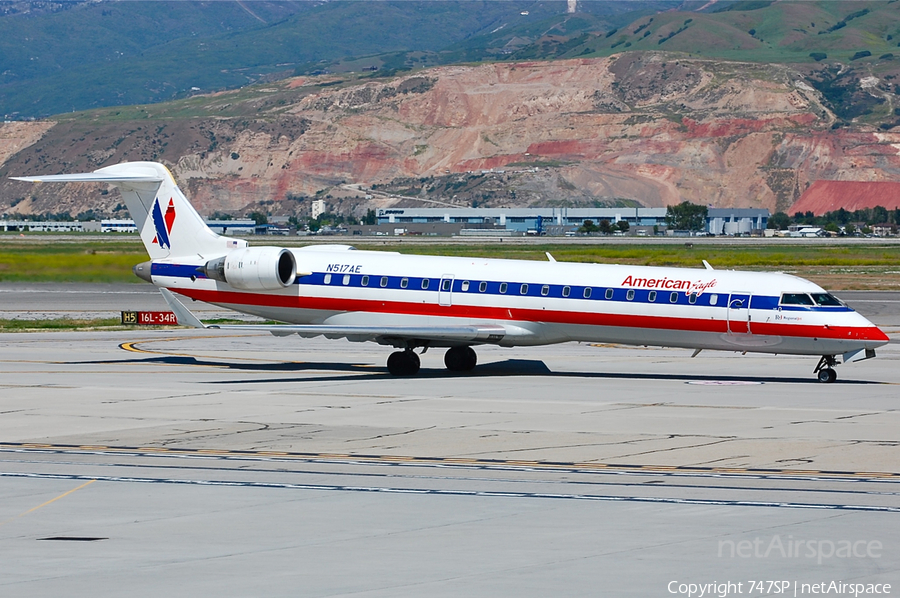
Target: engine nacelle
(254, 268)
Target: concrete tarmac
(191, 462)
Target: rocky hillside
(646, 128)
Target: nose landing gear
(825, 369)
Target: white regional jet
(417, 302)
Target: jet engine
(254, 268)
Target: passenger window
(692, 299)
(404, 282)
(384, 281)
(503, 287)
(713, 299)
(630, 294)
(673, 297)
(365, 281)
(465, 285)
(328, 279)
(566, 291)
(651, 297)
(826, 300)
(587, 292)
(609, 293)
(424, 283)
(482, 287)
(346, 280)
(796, 299)
(523, 290)
(545, 290)
(446, 284)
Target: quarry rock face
(645, 129)
(830, 196)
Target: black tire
(460, 359)
(471, 359)
(395, 363)
(827, 375)
(403, 363)
(412, 363)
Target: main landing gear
(825, 369)
(460, 359)
(406, 363)
(403, 363)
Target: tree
(588, 227)
(779, 221)
(259, 218)
(849, 230)
(623, 226)
(605, 227)
(686, 216)
(88, 215)
(370, 218)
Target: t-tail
(169, 225)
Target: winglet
(550, 257)
(182, 314)
(708, 267)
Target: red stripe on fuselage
(331, 304)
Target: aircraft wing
(476, 333)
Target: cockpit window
(796, 299)
(826, 300)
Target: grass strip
(834, 266)
(59, 324)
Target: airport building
(719, 221)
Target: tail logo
(163, 224)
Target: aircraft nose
(869, 332)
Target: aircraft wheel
(827, 375)
(460, 359)
(403, 363)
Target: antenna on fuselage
(550, 257)
(708, 267)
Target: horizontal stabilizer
(168, 224)
(90, 177)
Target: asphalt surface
(189, 462)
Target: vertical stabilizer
(168, 224)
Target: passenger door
(738, 313)
(445, 290)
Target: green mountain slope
(84, 55)
(117, 53)
(771, 32)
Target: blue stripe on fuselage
(175, 270)
(514, 289)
